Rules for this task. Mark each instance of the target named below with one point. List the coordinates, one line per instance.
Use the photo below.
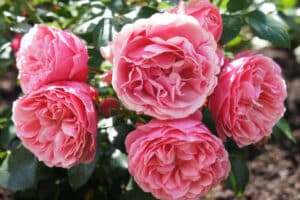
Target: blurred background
(274, 168)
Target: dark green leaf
(236, 5)
(3, 25)
(231, 27)
(95, 58)
(146, 12)
(267, 28)
(7, 132)
(118, 6)
(119, 140)
(18, 171)
(119, 22)
(80, 174)
(239, 175)
(102, 33)
(285, 128)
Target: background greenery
(96, 22)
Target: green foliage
(18, 170)
(231, 27)
(286, 4)
(285, 129)
(146, 12)
(237, 5)
(239, 175)
(266, 27)
(80, 174)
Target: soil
(274, 168)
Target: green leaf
(119, 22)
(236, 5)
(7, 133)
(265, 27)
(286, 4)
(119, 140)
(146, 12)
(3, 25)
(95, 58)
(231, 27)
(285, 128)
(18, 170)
(102, 33)
(80, 174)
(239, 174)
(21, 28)
(118, 6)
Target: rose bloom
(249, 98)
(58, 123)
(107, 105)
(164, 66)
(107, 53)
(106, 77)
(15, 43)
(47, 55)
(176, 159)
(206, 13)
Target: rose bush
(164, 66)
(47, 55)
(58, 123)
(176, 159)
(249, 98)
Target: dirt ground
(274, 168)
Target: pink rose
(176, 159)
(47, 55)
(58, 123)
(106, 77)
(249, 98)
(164, 66)
(206, 13)
(15, 43)
(107, 53)
(107, 105)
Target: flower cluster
(169, 67)
(56, 118)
